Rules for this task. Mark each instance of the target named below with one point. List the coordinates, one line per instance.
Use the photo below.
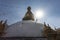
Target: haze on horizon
(14, 10)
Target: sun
(39, 14)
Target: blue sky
(14, 10)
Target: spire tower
(28, 15)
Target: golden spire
(28, 15)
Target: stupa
(26, 28)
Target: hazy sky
(14, 10)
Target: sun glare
(39, 14)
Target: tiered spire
(28, 15)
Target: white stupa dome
(25, 29)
